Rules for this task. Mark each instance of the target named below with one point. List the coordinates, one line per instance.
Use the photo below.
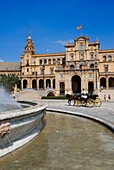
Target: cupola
(29, 47)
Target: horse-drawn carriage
(81, 99)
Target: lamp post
(20, 77)
(36, 79)
(43, 68)
(96, 80)
(96, 75)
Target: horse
(70, 98)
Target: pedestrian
(84, 94)
(104, 97)
(109, 97)
(83, 91)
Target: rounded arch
(50, 94)
(104, 58)
(92, 65)
(103, 82)
(111, 82)
(109, 58)
(49, 61)
(45, 61)
(40, 62)
(25, 83)
(76, 84)
(71, 56)
(72, 67)
(54, 61)
(41, 83)
(34, 84)
(48, 83)
(19, 84)
(54, 83)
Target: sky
(52, 23)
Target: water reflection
(66, 143)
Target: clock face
(81, 47)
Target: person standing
(109, 97)
(104, 97)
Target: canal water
(65, 143)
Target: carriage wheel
(75, 102)
(90, 102)
(97, 102)
(78, 102)
(84, 103)
(69, 102)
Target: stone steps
(29, 95)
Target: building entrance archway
(90, 86)
(24, 83)
(76, 84)
(34, 84)
(103, 82)
(111, 82)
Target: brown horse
(70, 98)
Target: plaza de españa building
(82, 65)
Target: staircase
(28, 94)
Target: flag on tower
(79, 27)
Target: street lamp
(43, 68)
(36, 79)
(20, 77)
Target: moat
(65, 143)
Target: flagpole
(80, 29)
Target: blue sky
(52, 23)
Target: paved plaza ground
(104, 113)
(69, 143)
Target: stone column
(68, 82)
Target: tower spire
(29, 47)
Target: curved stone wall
(17, 127)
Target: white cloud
(1, 60)
(63, 42)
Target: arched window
(40, 62)
(54, 61)
(109, 58)
(91, 56)
(71, 56)
(72, 67)
(45, 61)
(58, 60)
(80, 66)
(27, 62)
(104, 58)
(49, 61)
(92, 66)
